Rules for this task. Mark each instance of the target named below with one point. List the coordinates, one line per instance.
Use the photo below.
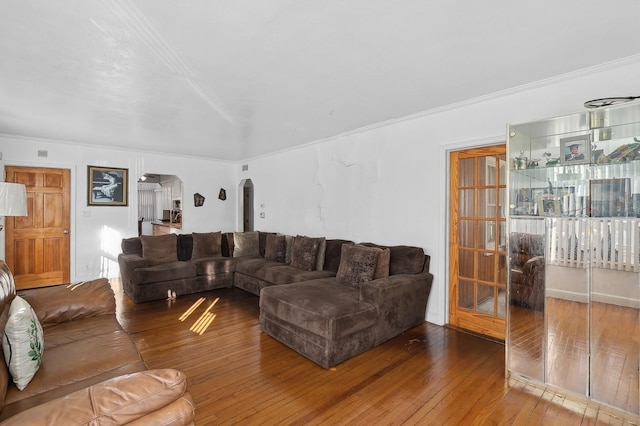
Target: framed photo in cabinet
(610, 197)
(549, 205)
(575, 150)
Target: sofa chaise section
(330, 320)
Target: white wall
(388, 183)
(96, 232)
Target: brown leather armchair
(527, 265)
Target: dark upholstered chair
(527, 266)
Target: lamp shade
(13, 199)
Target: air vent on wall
(245, 167)
(43, 153)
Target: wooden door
(477, 269)
(37, 246)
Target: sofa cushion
(254, 266)
(164, 272)
(357, 264)
(403, 259)
(158, 249)
(207, 244)
(185, 246)
(305, 252)
(22, 342)
(276, 248)
(286, 274)
(321, 307)
(131, 245)
(332, 254)
(79, 364)
(246, 244)
(214, 265)
(406, 260)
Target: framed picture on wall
(107, 186)
(575, 150)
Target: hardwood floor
(428, 375)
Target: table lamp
(13, 200)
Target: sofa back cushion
(357, 264)
(246, 244)
(403, 259)
(185, 246)
(332, 253)
(276, 248)
(131, 246)
(206, 244)
(159, 249)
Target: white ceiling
(232, 79)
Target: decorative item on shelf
(549, 162)
(521, 162)
(222, 195)
(575, 150)
(623, 153)
(610, 197)
(13, 200)
(107, 186)
(198, 199)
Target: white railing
(607, 243)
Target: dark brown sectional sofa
(328, 299)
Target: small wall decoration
(222, 195)
(575, 150)
(107, 186)
(198, 200)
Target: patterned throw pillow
(22, 342)
(357, 264)
(304, 254)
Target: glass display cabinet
(574, 254)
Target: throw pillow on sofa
(276, 248)
(207, 244)
(305, 253)
(382, 266)
(357, 264)
(158, 249)
(22, 342)
(246, 244)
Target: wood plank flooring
(428, 375)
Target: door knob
(66, 231)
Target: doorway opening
(247, 205)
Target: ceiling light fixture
(602, 102)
